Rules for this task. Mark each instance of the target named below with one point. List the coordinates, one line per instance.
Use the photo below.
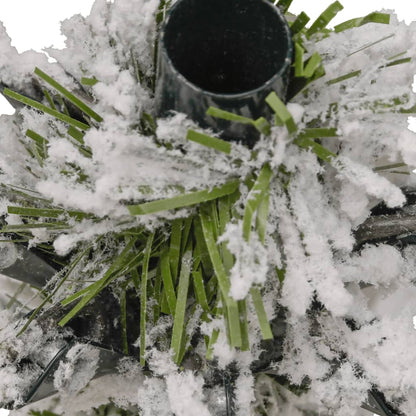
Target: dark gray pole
(228, 54)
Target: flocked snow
(314, 217)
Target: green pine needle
(90, 82)
(226, 115)
(175, 247)
(312, 65)
(234, 331)
(41, 107)
(344, 77)
(283, 116)
(322, 21)
(199, 288)
(388, 167)
(143, 298)
(299, 53)
(261, 313)
(169, 288)
(317, 133)
(76, 134)
(212, 340)
(208, 141)
(397, 62)
(46, 212)
(51, 226)
(261, 124)
(257, 193)
(322, 152)
(41, 141)
(284, 5)
(185, 200)
(68, 95)
(48, 298)
(115, 270)
(179, 320)
(299, 24)
(374, 17)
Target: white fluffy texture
(304, 358)
(319, 263)
(185, 394)
(354, 390)
(367, 267)
(407, 147)
(311, 221)
(244, 394)
(375, 185)
(153, 398)
(35, 346)
(251, 261)
(297, 290)
(8, 255)
(77, 370)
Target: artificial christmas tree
(185, 272)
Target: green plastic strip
(199, 288)
(201, 248)
(262, 216)
(284, 5)
(184, 200)
(397, 55)
(261, 124)
(258, 200)
(374, 17)
(316, 133)
(186, 231)
(234, 330)
(143, 299)
(209, 141)
(94, 289)
(226, 115)
(76, 134)
(261, 313)
(224, 217)
(50, 296)
(175, 246)
(40, 141)
(322, 21)
(41, 107)
(245, 341)
(299, 53)
(283, 116)
(312, 65)
(398, 62)
(49, 98)
(254, 198)
(212, 340)
(388, 167)
(68, 95)
(27, 227)
(344, 77)
(157, 294)
(45, 212)
(168, 286)
(301, 21)
(322, 152)
(179, 320)
(89, 81)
